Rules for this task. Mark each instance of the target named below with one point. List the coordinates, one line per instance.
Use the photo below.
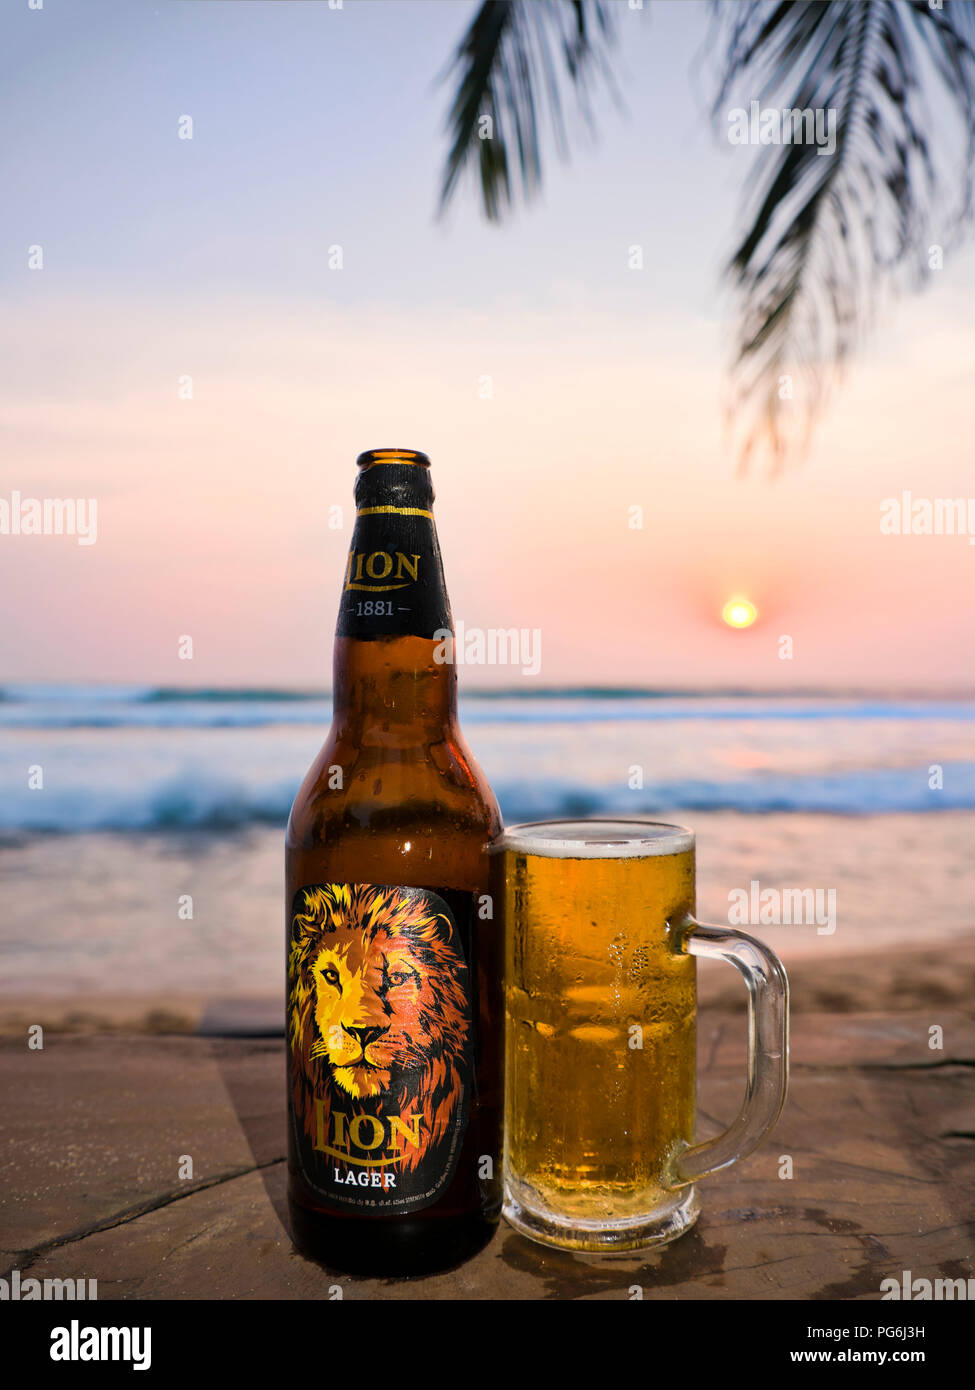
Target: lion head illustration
(378, 1008)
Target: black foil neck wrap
(393, 584)
(394, 485)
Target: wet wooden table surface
(880, 1129)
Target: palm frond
(827, 232)
(507, 73)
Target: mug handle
(767, 1082)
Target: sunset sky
(208, 258)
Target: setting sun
(739, 612)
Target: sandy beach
(96, 937)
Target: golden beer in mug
(600, 990)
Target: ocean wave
(223, 804)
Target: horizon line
(154, 691)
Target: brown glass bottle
(394, 1011)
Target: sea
(151, 759)
(120, 803)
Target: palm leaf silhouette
(507, 71)
(824, 233)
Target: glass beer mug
(600, 989)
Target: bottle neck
(394, 615)
(394, 685)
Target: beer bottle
(394, 1012)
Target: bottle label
(394, 584)
(380, 1041)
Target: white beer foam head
(596, 839)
